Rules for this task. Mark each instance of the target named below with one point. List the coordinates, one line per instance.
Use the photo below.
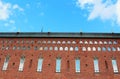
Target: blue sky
(60, 15)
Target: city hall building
(50, 55)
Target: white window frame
(77, 65)
(58, 64)
(96, 65)
(6, 62)
(21, 65)
(40, 63)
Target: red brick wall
(49, 62)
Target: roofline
(57, 35)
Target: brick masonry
(49, 62)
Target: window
(109, 49)
(110, 42)
(99, 49)
(63, 42)
(77, 65)
(58, 64)
(118, 48)
(95, 42)
(61, 48)
(114, 42)
(76, 48)
(94, 49)
(55, 48)
(113, 49)
(41, 48)
(103, 49)
(50, 48)
(86, 42)
(90, 42)
(80, 42)
(71, 48)
(68, 42)
(83, 49)
(114, 64)
(54, 42)
(5, 65)
(49, 42)
(40, 62)
(89, 49)
(100, 42)
(45, 48)
(66, 48)
(58, 42)
(105, 42)
(21, 65)
(73, 42)
(96, 67)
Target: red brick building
(59, 55)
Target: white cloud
(103, 9)
(18, 7)
(6, 10)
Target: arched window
(90, 42)
(96, 66)
(55, 48)
(21, 65)
(73, 42)
(100, 42)
(61, 48)
(58, 42)
(76, 49)
(83, 48)
(103, 49)
(94, 49)
(109, 49)
(105, 42)
(63, 42)
(89, 49)
(66, 48)
(113, 49)
(71, 48)
(86, 42)
(95, 42)
(99, 48)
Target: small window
(95, 42)
(5, 65)
(63, 42)
(103, 49)
(118, 48)
(77, 65)
(14, 47)
(38, 42)
(90, 42)
(114, 42)
(100, 42)
(99, 48)
(73, 42)
(56, 48)
(105, 42)
(96, 66)
(61, 48)
(71, 48)
(80, 42)
(109, 49)
(86, 42)
(76, 48)
(45, 48)
(114, 64)
(50, 48)
(66, 48)
(58, 64)
(94, 49)
(49, 42)
(68, 42)
(83, 48)
(113, 49)
(21, 65)
(58, 42)
(40, 62)
(35, 48)
(89, 49)
(110, 42)
(54, 42)
(44, 42)
(41, 48)
(18, 47)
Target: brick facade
(32, 48)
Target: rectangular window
(77, 65)
(21, 65)
(96, 67)
(58, 64)
(114, 64)
(40, 61)
(5, 65)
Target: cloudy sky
(60, 15)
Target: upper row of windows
(61, 42)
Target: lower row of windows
(58, 64)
